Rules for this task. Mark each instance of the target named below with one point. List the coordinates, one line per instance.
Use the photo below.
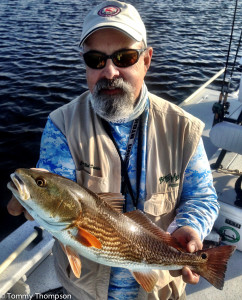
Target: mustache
(114, 83)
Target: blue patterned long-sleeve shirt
(198, 207)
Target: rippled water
(41, 69)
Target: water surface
(41, 68)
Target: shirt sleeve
(198, 205)
(55, 155)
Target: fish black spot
(204, 256)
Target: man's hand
(15, 209)
(190, 240)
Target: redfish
(92, 225)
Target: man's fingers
(190, 239)
(194, 245)
(14, 207)
(175, 273)
(40, 169)
(28, 216)
(189, 277)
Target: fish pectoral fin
(73, 259)
(87, 239)
(147, 279)
(116, 200)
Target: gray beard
(113, 108)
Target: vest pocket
(160, 208)
(94, 183)
(161, 203)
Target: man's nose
(110, 71)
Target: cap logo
(109, 11)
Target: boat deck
(201, 107)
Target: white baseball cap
(114, 14)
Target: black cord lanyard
(125, 183)
(238, 191)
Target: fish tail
(216, 264)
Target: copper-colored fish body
(86, 224)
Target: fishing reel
(220, 110)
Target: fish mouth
(18, 187)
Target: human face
(108, 41)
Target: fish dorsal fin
(87, 239)
(73, 259)
(140, 218)
(146, 279)
(116, 200)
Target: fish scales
(85, 223)
(147, 248)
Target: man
(118, 136)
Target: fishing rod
(221, 107)
(235, 58)
(229, 49)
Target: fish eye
(41, 182)
(204, 255)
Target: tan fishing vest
(173, 136)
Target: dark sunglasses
(122, 58)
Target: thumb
(194, 245)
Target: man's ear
(147, 58)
